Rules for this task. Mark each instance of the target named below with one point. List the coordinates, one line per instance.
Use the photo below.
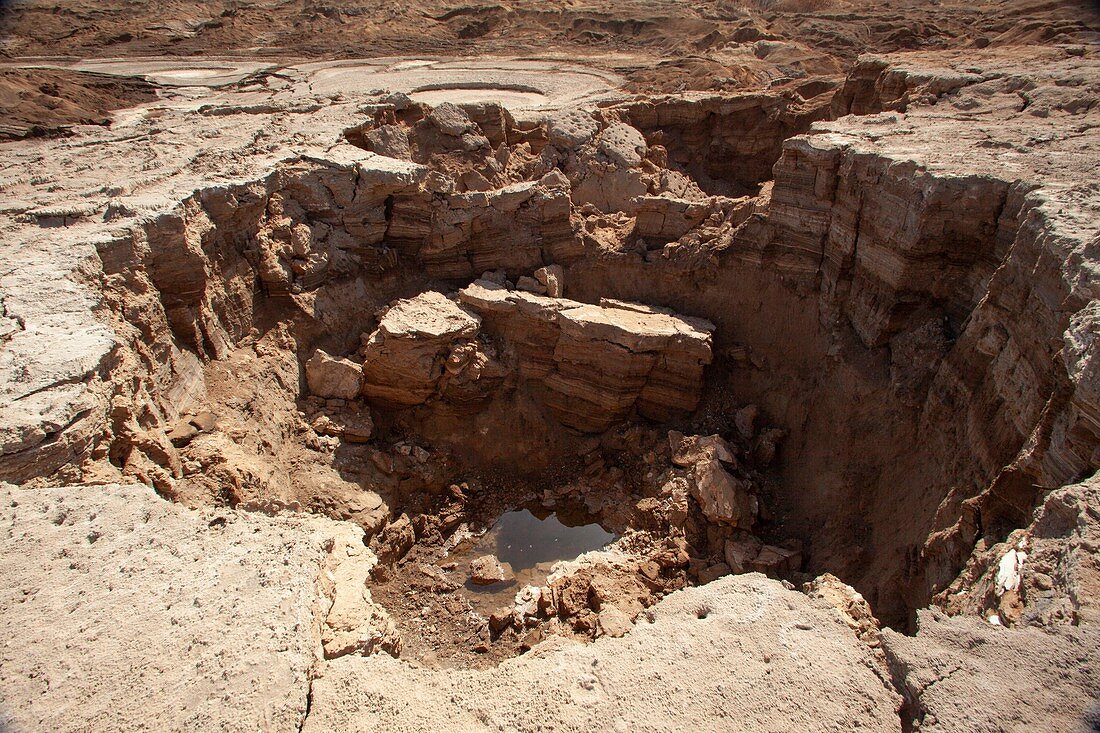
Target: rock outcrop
(460, 235)
(405, 358)
(972, 271)
(594, 364)
(726, 143)
(911, 302)
(963, 674)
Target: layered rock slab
(595, 363)
(121, 611)
(740, 654)
(403, 358)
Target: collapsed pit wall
(826, 249)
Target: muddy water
(529, 545)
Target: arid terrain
(663, 366)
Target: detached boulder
(487, 570)
(404, 358)
(451, 119)
(722, 496)
(688, 450)
(354, 624)
(614, 622)
(330, 377)
(552, 277)
(570, 129)
(623, 145)
(446, 128)
(391, 141)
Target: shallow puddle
(529, 546)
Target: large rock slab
(740, 654)
(404, 357)
(963, 674)
(596, 363)
(121, 611)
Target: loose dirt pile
(835, 338)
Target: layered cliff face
(743, 338)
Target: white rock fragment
(1009, 571)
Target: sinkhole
(616, 352)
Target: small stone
(533, 637)
(499, 621)
(722, 496)
(741, 553)
(330, 377)
(766, 444)
(205, 421)
(570, 129)
(483, 643)
(500, 277)
(622, 144)
(357, 428)
(527, 603)
(774, 560)
(182, 433)
(324, 425)
(745, 420)
(554, 179)
(1043, 581)
(690, 450)
(451, 119)
(650, 570)
(391, 141)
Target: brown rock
(552, 278)
(766, 444)
(721, 496)
(713, 572)
(745, 420)
(499, 621)
(357, 427)
(741, 552)
(403, 358)
(531, 285)
(852, 607)
(182, 433)
(530, 639)
(650, 570)
(395, 540)
(773, 560)
(612, 621)
(598, 363)
(327, 376)
(692, 449)
(389, 140)
(205, 421)
(487, 570)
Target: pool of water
(529, 545)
